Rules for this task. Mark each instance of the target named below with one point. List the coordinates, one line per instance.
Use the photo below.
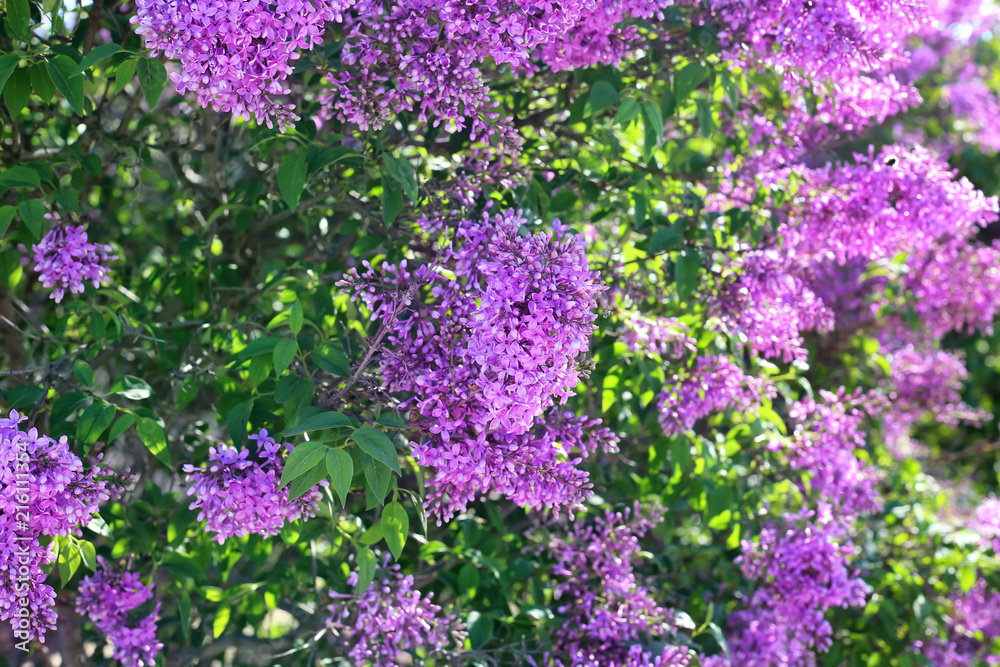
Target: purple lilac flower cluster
(106, 597)
(238, 496)
(390, 618)
(803, 570)
(822, 38)
(971, 629)
(44, 490)
(488, 355)
(426, 55)
(66, 260)
(715, 384)
(770, 306)
(666, 337)
(801, 562)
(236, 56)
(608, 611)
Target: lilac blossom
(389, 618)
(66, 260)
(106, 598)
(607, 608)
(236, 56)
(44, 490)
(714, 384)
(238, 496)
(488, 356)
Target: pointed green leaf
(300, 485)
(392, 200)
(377, 444)
(20, 177)
(284, 353)
(62, 71)
(93, 421)
(395, 527)
(124, 73)
(8, 63)
(295, 317)
(291, 177)
(686, 273)
(98, 54)
(122, 424)
(83, 373)
(377, 477)
(340, 466)
(33, 216)
(627, 112)
(152, 79)
(401, 170)
(236, 422)
(602, 96)
(320, 422)
(19, 18)
(366, 570)
(302, 459)
(687, 79)
(17, 91)
(131, 387)
(154, 437)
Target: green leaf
(136, 614)
(373, 535)
(131, 388)
(706, 122)
(62, 70)
(665, 238)
(20, 177)
(468, 579)
(320, 422)
(652, 123)
(184, 608)
(69, 562)
(19, 397)
(331, 360)
(627, 112)
(6, 217)
(302, 459)
(262, 345)
(392, 420)
(89, 555)
(284, 353)
(152, 79)
(93, 421)
(221, 620)
(19, 18)
(300, 485)
(83, 373)
(295, 317)
(292, 173)
(8, 63)
(98, 54)
(340, 465)
(687, 79)
(122, 424)
(236, 422)
(480, 629)
(686, 273)
(401, 170)
(392, 200)
(395, 527)
(154, 437)
(602, 96)
(33, 216)
(378, 478)
(17, 91)
(377, 444)
(366, 570)
(124, 73)
(184, 566)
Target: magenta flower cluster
(488, 356)
(376, 627)
(238, 496)
(65, 259)
(44, 491)
(106, 598)
(236, 55)
(714, 384)
(608, 611)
